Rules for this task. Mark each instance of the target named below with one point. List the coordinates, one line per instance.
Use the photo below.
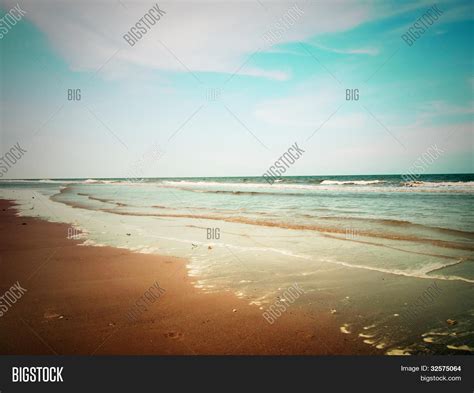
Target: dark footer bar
(315, 374)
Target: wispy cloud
(205, 37)
(355, 51)
(434, 109)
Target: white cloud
(435, 109)
(204, 36)
(306, 107)
(358, 51)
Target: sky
(224, 88)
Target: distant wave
(285, 187)
(229, 192)
(279, 183)
(299, 189)
(354, 182)
(34, 181)
(186, 184)
(429, 184)
(247, 187)
(98, 181)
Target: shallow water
(365, 247)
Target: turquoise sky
(268, 94)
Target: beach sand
(78, 297)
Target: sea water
(363, 248)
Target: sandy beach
(78, 297)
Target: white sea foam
(98, 181)
(345, 329)
(460, 348)
(355, 182)
(435, 334)
(369, 342)
(398, 352)
(325, 185)
(244, 186)
(421, 184)
(421, 273)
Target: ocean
(391, 260)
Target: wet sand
(78, 298)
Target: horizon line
(251, 176)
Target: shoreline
(78, 297)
